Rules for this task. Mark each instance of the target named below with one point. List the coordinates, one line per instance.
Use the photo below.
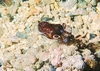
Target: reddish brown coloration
(50, 29)
(55, 31)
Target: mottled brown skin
(55, 31)
(49, 30)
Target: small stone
(82, 5)
(46, 1)
(1, 31)
(28, 69)
(21, 35)
(33, 59)
(52, 6)
(97, 53)
(98, 6)
(42, 57)
(4, 11)
(52, 1)
(91, 63)
(56, 5)
(93, 2)
(10, 17)
(59, 69)
(38, 1)
(8, 2)
(31, 2)
(39, 64)
(8, 64)
(46, 19)
(32, 38)
(75, 31)
(87, 1)
(52, 68)
(92, 36)
(69, 4)
(78, 19)
(80, 11)
(23, 51)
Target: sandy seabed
(23, 48)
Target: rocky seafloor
(24, 48)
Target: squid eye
(56, 36)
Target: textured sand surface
(23, 48)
